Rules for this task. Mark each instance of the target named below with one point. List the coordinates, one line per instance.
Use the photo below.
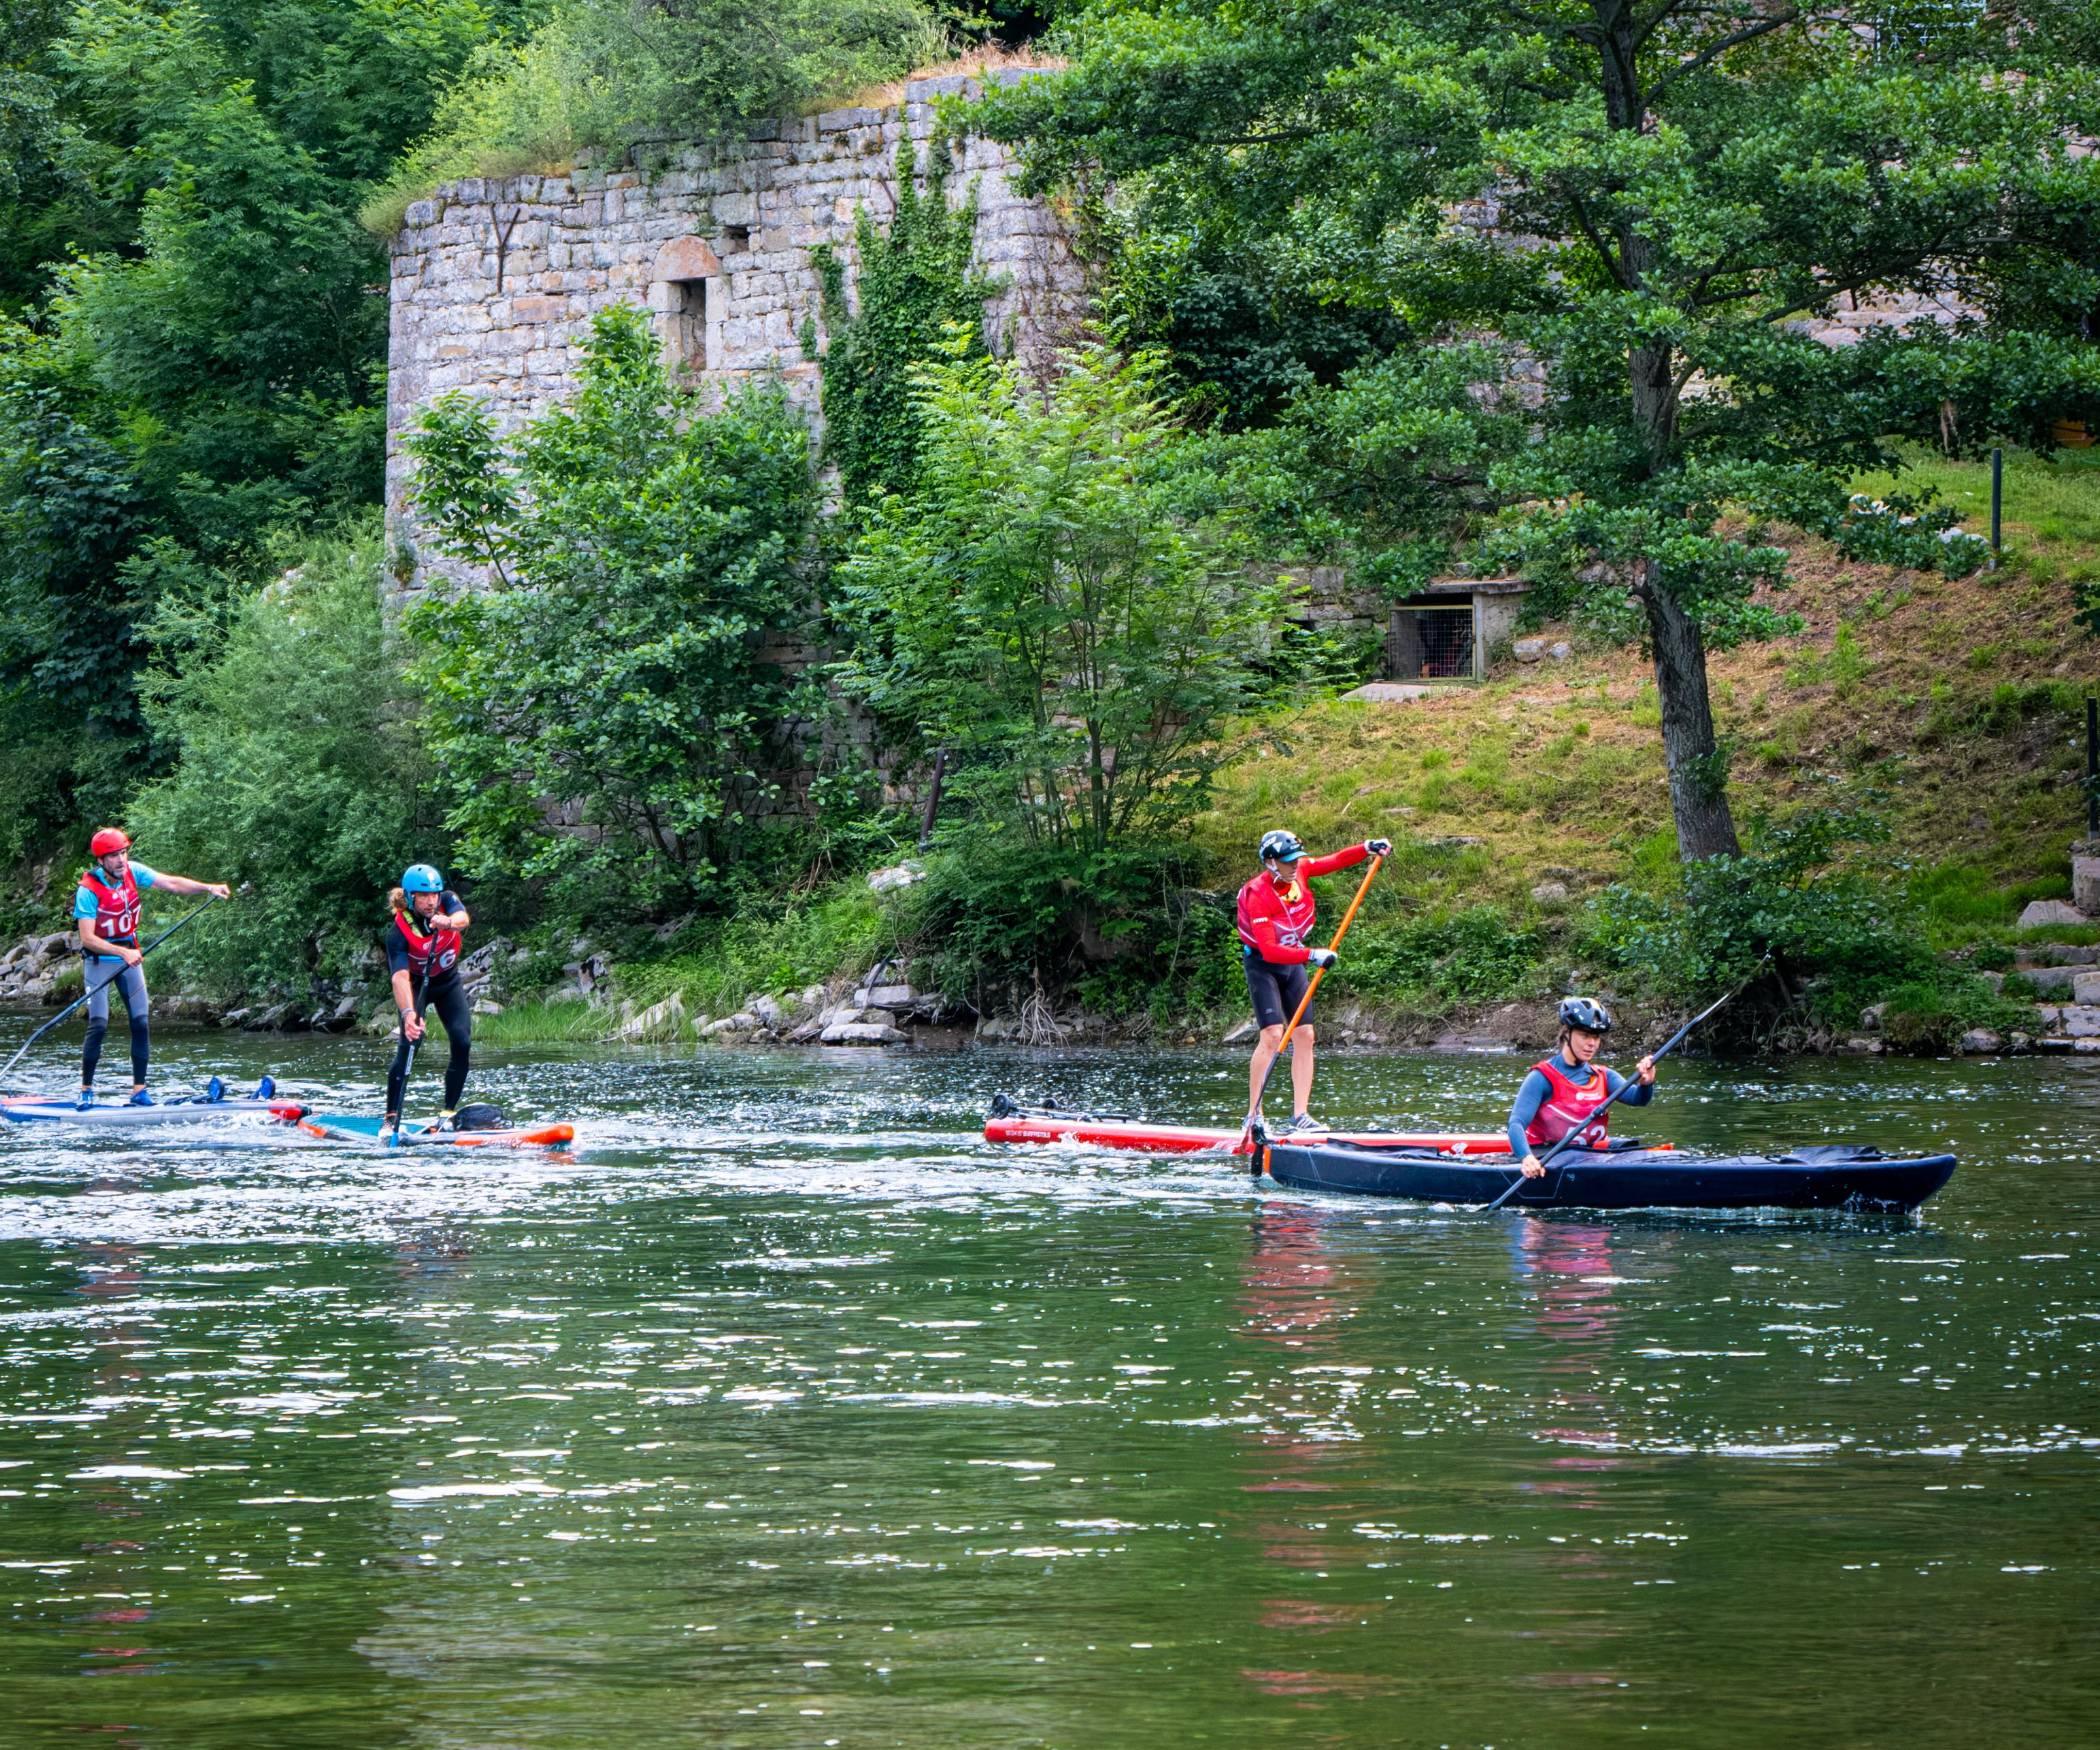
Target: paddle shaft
(96, 990)
(408, 1064)
(1676, 1039)
(1313, 984)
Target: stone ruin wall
(495, 281)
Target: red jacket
(1274, 921)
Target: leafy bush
(640, 552)
(1038, 608)
(915, 284)
(997, 919)
(613, 73)
(1439, 964)
(297, 770)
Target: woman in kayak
(1568, 1092)
(1275, 915)
(422, 955)
(106, 908)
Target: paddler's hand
(1532, 1169)
(1379, 847)
(411, 1027)
(218, 890)
(1321, 957)
(132, 956)
(1645, 1069)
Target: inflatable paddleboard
(365, 1127)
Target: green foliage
(771, 945)
(640, 551)
(914, 286)
(1438, 964)
(296, 770)
(998, 919)
(613, 74)
(1040, 609)
(1691, 177)
(194, 367)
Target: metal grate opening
(1426, 641)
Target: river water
(785, 1411)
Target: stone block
(2050, 980)
(1981, 1042)
(890, 996)
(2078, 1021)
(1244, 1034)
(539, 309)
(2085, 987)
(2085, 883)
(860, 1033)
(2043, 912)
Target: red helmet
(106, 841)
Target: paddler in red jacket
(1275, 916)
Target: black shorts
(1276, 991)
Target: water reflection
(837, 1423)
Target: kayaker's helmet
(107, 842)
(1281, 847)
(1589, 1016)
(421, 878)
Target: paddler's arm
(456, 918)
(405, 1001)
(1530, 1097)
(183, 884)
(1642, 1089)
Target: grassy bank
(1950, 709)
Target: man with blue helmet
(422, 946)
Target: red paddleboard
(1018, 1124)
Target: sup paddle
(408, 1066)
(1305, 1002)
(96, 990)
(1676, 1039)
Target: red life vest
(432, 954)
(1290, 909)
(1569, 1108)
(116, 908)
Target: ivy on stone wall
(915, 283)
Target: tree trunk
(1698, 785)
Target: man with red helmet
(1275, 916)
(106, 910)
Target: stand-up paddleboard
(1011, 1123)
(364, 1127)
(182, 1109)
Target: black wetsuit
(446, 992)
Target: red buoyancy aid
(1289, 909)
(1570, 1108)
(116, 908)
(431, 954)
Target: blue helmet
(421, 878)
(1281, 845)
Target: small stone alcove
(1444, 633)
(685, 291)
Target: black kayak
(1826, 1176)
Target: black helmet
(1581, 1012)
(1283, 846)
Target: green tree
(1672, 184)
(611, 674)
(298, 770)
(1040, 607)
